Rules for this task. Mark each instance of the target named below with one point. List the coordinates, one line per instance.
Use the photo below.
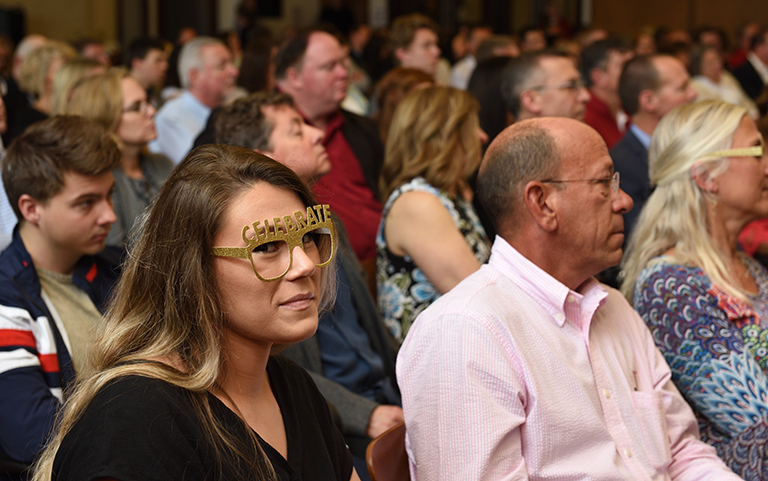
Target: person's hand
(383, 417)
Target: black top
(22, 119)
(141, 429)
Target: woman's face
(258, 312)
(136, 126)
(742, 190)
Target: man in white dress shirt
(206, 73)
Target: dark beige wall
(68, 19)
(629, 16)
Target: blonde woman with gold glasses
(704, 300)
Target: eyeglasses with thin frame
(613, 181)
(754, 151)
(140, 106)
(270, 248)
(574, 85)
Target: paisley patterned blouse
(403, 289)
(717, 348)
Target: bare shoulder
(417, 205)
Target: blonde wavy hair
(34, 71)
(100, 98)
(68, 77)
(433, 134)
(166, 304)
(675, 215)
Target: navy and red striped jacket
(35, 365)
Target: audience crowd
(248, 256)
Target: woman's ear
(701, 175)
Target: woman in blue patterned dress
(704, 300)
(430, 237)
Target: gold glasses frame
(290, 229)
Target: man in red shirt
(312, 66)
(601, 65)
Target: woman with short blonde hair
(36, 78)
(704, 300)
(68, 77)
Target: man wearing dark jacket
(54, 277)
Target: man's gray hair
(527, 152)
(190, 57)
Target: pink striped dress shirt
(512, 376)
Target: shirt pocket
(652, 425)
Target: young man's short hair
(596, 56)
(637, 75)
(37, 160)
(404, 29)
(244, 124)
(140, 47)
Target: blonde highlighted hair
(100, 98)
(33, 75)
(433, 134)
(68, 77)
(675, 215)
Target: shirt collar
(552, 295)
(641, 135)
(189, 98)
(759, 66)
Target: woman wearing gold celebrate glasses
(704, 300)
(230, 266)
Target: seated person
(54, 277)
(352, 356)
(704, 300)
(529, 368)
(430, 237)
(182, 383)
(712, 82)
(36, 78)
(118, 102)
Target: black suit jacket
(749, 79)
(630, 160)
(362, 135)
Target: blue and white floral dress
(717, 348)
(403, 289)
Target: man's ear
(597, 76)
(192, 74)
(647, 101)
(530, 101)
(540, 205)
(292, 77)
(136, 63)
(29, 208)
(399, 54)
(702, 177)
